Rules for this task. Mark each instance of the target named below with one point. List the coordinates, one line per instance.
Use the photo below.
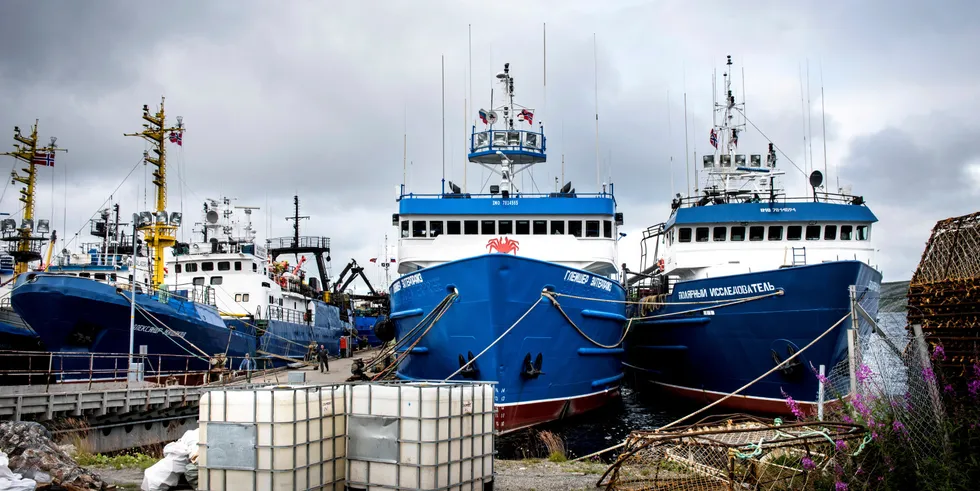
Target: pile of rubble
(33, 455)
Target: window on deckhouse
(718, 234)
(435, 228)
(813, 232)
(738, 234)
(488, 227)
(575, 228)
(830, 232)
(418, 228)
(775, 232)
(506, 227)
(452, 227)
(607, 229)
(541, 227)
(756, 233)
(592, 228)
(471, 227)
(863, 232)
(685, 235)
(845, 232)
(701, 234)
(557, 227)
(523, 227)
(404, 228)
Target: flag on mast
(714, 138)
(43, 158)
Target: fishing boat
(94, 326)
(742, 277)
(257, 292)
(482, 277)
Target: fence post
(852, 358)
(91, 366)
(47, 382)
(820, 394)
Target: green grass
(121, 461)
(557, 457)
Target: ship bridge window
(830, 232)
(756, 232)
(738, 234)
(238, 265)
(488, 227)
(506, 227)
(452, 227)
(575, 228)
(845, 232)
(255, 268)
(794, 232)
(207, 266)
(224, 266)
(191, 267)
(100, 276)
(607, 229)
(775, 232)
(84, 275)
(685, 235)
(863, 232)
(557, 227)
(718, 234)
(701, 234)
(404, 228)
(177, 268)
(471, 227)
(540, 227)
(199, 280)
(813, 232)
(435, 228)
(216, 280)
(418, 228)
(523, 227)
(592, 228)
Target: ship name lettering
(413, 280)
(689, 294)
(727, 291)
(601, 284)
(785, 209)
(576, 277)
(874, 286)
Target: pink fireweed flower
(793, 406)
(808, 464)
(938, 353)
(928, 374)
(974, 387)
(949, 389)
(840, 486)
(841, 445)
(863, 373)
(898, 426)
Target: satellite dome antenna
(816, 179)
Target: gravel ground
(512, 475)
(542, 475)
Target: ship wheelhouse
(735, 238)
(574, 230)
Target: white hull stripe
(557, 399)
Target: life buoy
(660, 264)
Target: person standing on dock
(322, 355)
(343, 346)
(248, 365)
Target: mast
(296, 218)
(159, 231)
(28, 247)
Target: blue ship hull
(495, 290)
(365, 327)
(85, 324)
(715, 350)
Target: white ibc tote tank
(420, 435)
(273, 438)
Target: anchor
(470, 371)
(532, 370)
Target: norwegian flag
(527, 115)
(714, 138)
(177, 137)
(43, 158)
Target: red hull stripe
(512, 417)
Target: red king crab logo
(504, 245)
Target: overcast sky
(313, 98)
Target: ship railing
(606, 195)
(51, 368)
(285, 314)
(717, 197)
(304, 242)
(489, 141)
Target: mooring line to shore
(726, 397)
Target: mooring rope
(386, 352)
(495, 341)
(726, 397)
(448, 302)
(554, 301)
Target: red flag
(374, 259)
(392, 259)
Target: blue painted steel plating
(778, 212)
(495, 290)
(721, 349)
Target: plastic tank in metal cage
(420, 435)
(273, 438)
